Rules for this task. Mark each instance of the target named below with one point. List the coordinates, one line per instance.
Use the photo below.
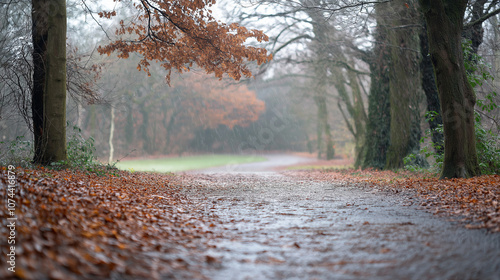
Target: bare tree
(314, 26)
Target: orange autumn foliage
(210, 104)
(179, 34)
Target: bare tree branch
(481, 19)
(96, 21)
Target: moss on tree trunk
(431, 92)
(379, 118)
(405, 83)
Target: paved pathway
(273, 161)
(275, 226)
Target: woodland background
(334, 87)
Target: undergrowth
(81, 154)
(487, 140)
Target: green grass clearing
(165, 165)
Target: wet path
(273, 161)
(277, 227)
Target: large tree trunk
(379, 116)
(39, 37)
(320, 47)
(445, 23)
(405, 84)
(49, 57)
(359, 117)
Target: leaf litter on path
(474, 201)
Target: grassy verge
(185, 163)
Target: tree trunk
(129, 127)
(111, 134)
(445, 23)
(143, 129)
(320, 47)
(49, 56)
(496, 40)
(359, 117)
(319, 135)
(169, 131)
(379, 116)
(79, 114)
(404, 84)
(356, 121)
(39, 36)
(475, 32)
(324, 126)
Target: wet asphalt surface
(275, 226)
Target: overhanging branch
(481, 19)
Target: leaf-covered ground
(474, 201)
(73, 225)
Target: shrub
(18, 152)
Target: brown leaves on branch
(179, 34)
(71, 225)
